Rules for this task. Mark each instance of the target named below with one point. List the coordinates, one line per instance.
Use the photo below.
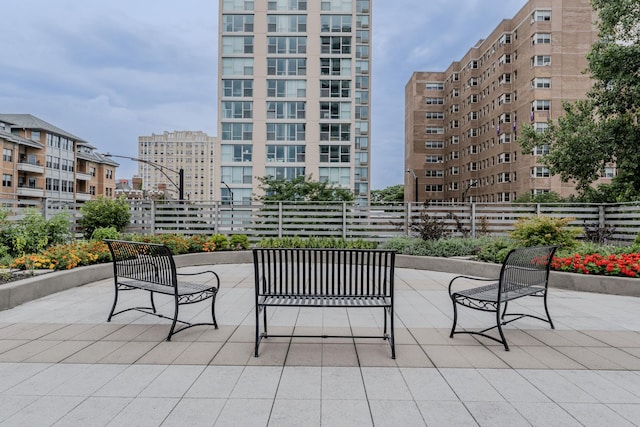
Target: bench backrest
(525, 268)
(147, 262)
(324, 272)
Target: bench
(524, 272)
(150, 267)
(326, 278)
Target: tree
(301, 189)
(102, 213)
(604, 128)
(392, 194)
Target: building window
(286, 66)
(237, 131)
(237, 110)
(434, 188)
(237, 88)
(335, 88)
(287, 23)
(287, 5)
(7, 180)
(434, 101)
(237, 174)
(286, 110)
(541, 15)
(92, 171)
(335, 154)
(541, 61)
(109, 174)
(286, 153)
(541, 38)
(335, 176)
(237, 23)
(335, 110)
(434, 115)
(335, 131)
(434, 159)
(540, 172)
(232, 45)
(541, 83)
(285, 172)
(7, 155)
(434, 130)
(237, 66)
(433, 144)
(434, 86)
(335, 67)
(541, 105)
(237, 153)
(335, 23)
(92, 190)
(286, 88)
(286, 131)
(336, 45)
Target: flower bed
(627, 265)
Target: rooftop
(61, 362)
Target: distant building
(294, 91)
(41, 161)
(461, 124)
(193, 152)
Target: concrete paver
(61, 362)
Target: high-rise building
(43, 162)
(461, 124)
(294, 94)
(164, 155)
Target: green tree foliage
(550, 197)
(104, 212)
(392, 194)
(301, 189)
(543, 230)
(33, 233)
(604, 128)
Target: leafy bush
(102, 233)
(542, 230)
(315, 242)
(446, 247)
(177, 243)
(33, 232)
(65, 257)
(496, 250)
(104, 212)
(239, 242)
(220, 240)
(197, 242)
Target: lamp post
(179, 186)
(472, 183)
(415, 177)
(231, 201)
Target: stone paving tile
(347, 413)
(339, 355)
(600, 387)
(385, 384)
(234, 354)
(395, 413)
(588, 358)
(10, 405)
(496, 413)
(7, 344)
(68, 332)
(616, 338)
(245, 412)
(59, 352)
(14, 330)
(164, 353)
(565, 338)
(146, 411)
(545, 414)
(556, 387)
(624, 357)
(595, 415)
(89, 380)
(518, 358)
(470, 386)
(446, 356)
(271, 353)
(198, 353)
(512, 386)
(130, 382)
(630, 412)
(127, 353)
(552, 358)
(221, 334)
(343, 384)
(257, 382)
(46, 380)
(215, 382)
(450, 414)
(98, 332)
(26, 351)
(194, 413)
(304, 354)
(481, 357)
(174, 381)
(427, 384)
(44, 411)
(38, 330)
(15, 373)
(411, 356)
(95, 411)
(377, 354)
(297, 383)
(94, 352)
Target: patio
(61, 363)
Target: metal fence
(349, 221)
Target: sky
(111, 71)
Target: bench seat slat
(489, 293)
(317, 301)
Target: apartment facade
(294, 94)
(43, 162)
(189, 151)
(461, 124)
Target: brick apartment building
(461, 124)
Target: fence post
(280, 219)
(344, 220)
(45, 208)
(601, 217)
(407, 219)
(537, 209)
(153, 217)
(216, 213)
(473, 219)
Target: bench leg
(257, 329)
(546, 309)
(392, 339)
(499, 322)
(455, 318)
(175, 319)
(113, 307)
(213, 311)
(153, 303)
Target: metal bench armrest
(483, 279)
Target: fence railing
(349, 221)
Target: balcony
(26, 191)
(83, 197)
(82, 176)
(31, 166)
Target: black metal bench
(525, 272)
(329, 278)
(150, 267)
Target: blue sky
(111, 71)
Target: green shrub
(316, 242)
(239, 242)
(104, 212)
(33, 233)
(197, 242)
(102, 233)
(542, 230)
(496, 250)
(177, 243)
(221, 242)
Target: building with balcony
(43, 162)
(191, 151)
(461, 124)
(294, 94)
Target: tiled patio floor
(62, 364)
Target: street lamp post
(472, 183)
(415, 177)
(179, 186)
